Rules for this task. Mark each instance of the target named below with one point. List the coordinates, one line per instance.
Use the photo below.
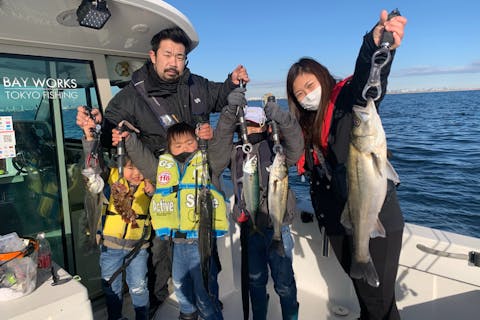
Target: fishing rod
(120, 152)
(247, 146)
(473, 257)
(123, 126)
(277, 147)
(380, 59)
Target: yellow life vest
(173, 205)
(114, 226)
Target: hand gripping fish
(367, 173)
(277, 199)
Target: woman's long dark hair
(310, 121)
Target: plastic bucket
(18, 271)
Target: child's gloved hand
(237, 98)
(273, 112)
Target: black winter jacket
(129, 105)
(329, 197)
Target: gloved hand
(237, 97)
(273, 112)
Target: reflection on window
(31, 86)
(31, 91)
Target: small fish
(251, 187)
(367, 173)
(277, 199)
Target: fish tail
(277, 246)
(366, 271)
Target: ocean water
(435, 141)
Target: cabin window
(41, 185)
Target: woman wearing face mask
(324, 111)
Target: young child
(174, 216)
(259, 246)
(121, 236)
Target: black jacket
(129, 105)
(329, 197)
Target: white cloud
(473, 67)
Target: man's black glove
(273, 112)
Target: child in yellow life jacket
(122, 242)
(174, 216)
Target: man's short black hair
(175, 34)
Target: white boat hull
(428, 286)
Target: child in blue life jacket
(123, 240)
(174, 215)
(258, 243)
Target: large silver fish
(367, 173)
(251, 187)
(277, 199)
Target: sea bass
(367, 173)
(251, 187)
(277, 199)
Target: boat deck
(428, 286)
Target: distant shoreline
(400, 91)
(429, 90)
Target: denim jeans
(188, 283)
(260, 257)
(136, 278)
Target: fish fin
(345, 219)
(392, 174)
(378, 231)
(377, 163)
(366, 271)
(277, 246)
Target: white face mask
(312, 100)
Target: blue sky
(440, 49)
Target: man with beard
(161, 93)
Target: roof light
(93, 14)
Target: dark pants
(375, 303)
(159, 271)
(260, 258)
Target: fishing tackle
(96, 132)
(380, 59)
(247, 146)
(277, 147)
(121, 145)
